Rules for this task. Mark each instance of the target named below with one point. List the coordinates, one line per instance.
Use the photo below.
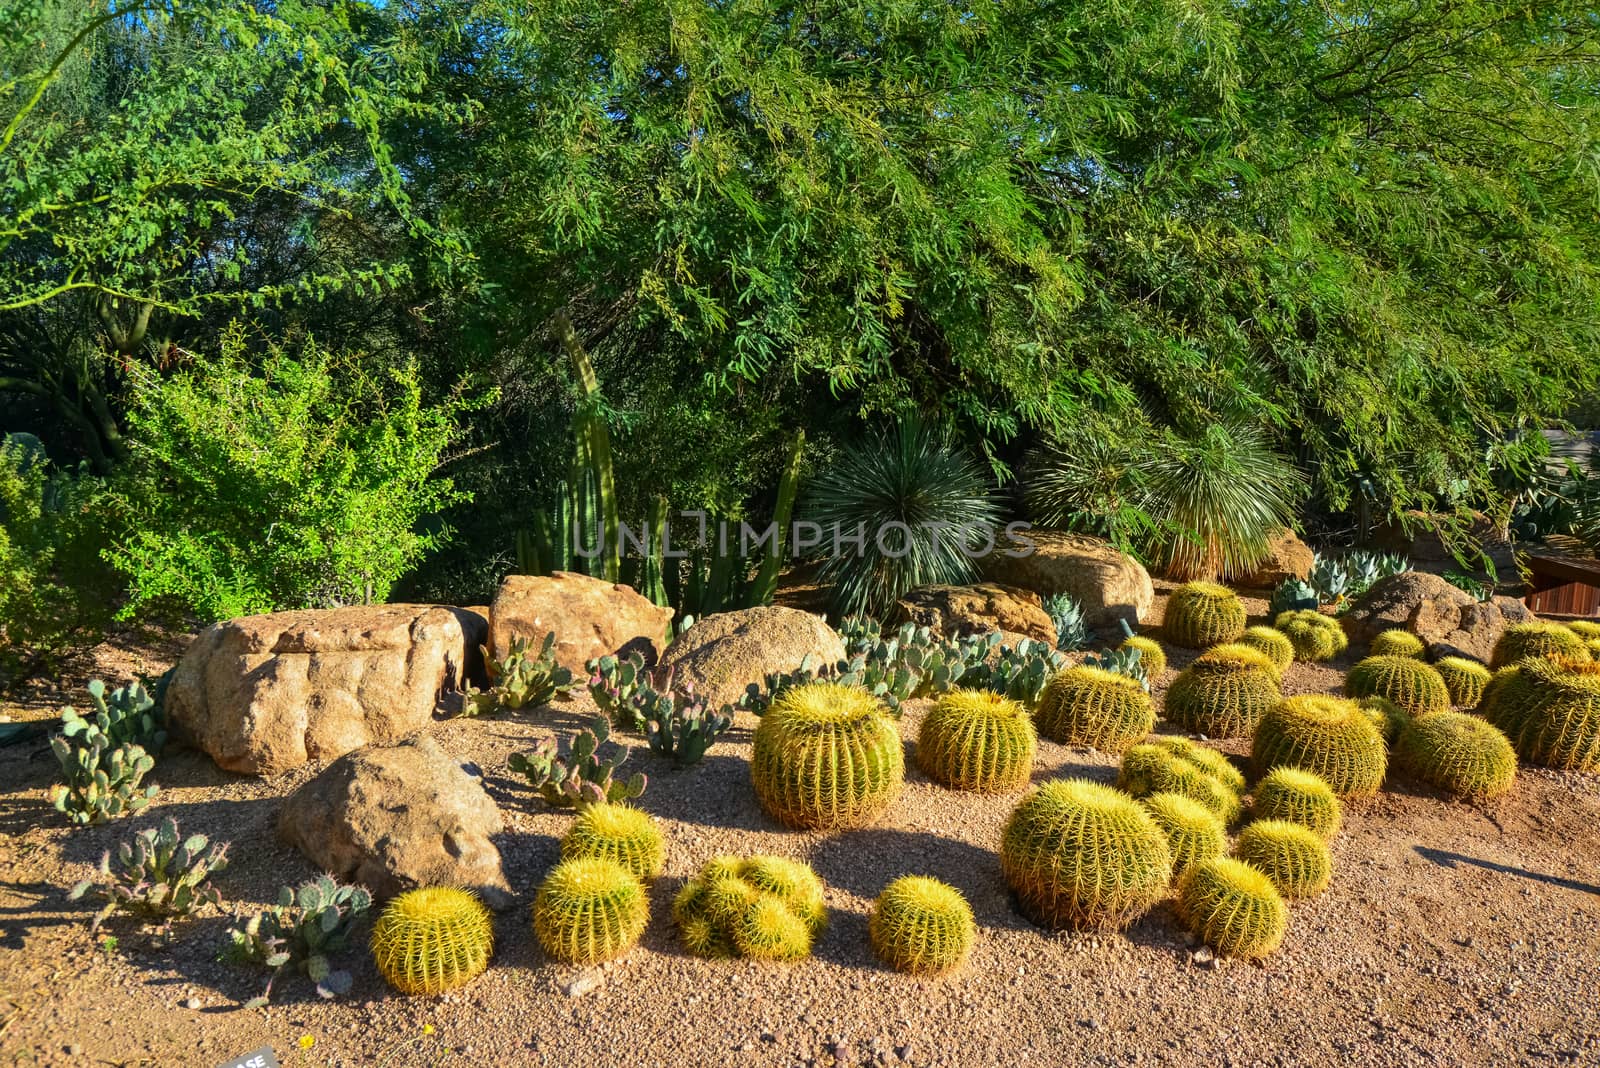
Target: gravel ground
(1452, 934)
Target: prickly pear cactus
(1203, 614)
(1301, 797)
(1095, 708)
(127, 715)
(584, 777)
(1233, 907)
(1295, 858)
(158, 875)
(1460, 754)
(1328, 736)
(826, 756)
(1018, 671)
(520, 680)
(614, 683)
(102, 782)
(678, 724)
(432, 940)
(617, 833)
(1224, 692)
(1412, 685)
(303, 932)
(921, 926)
(590, 910)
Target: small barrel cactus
(1464, 679)
(768, 908)
(1587, 629)
(1385, 715)
(1212, 761)
(432, 940)
(1095, 708)
(1397, 643)
(1550, 710)
(1081, 855)
(1272, 642)
(1152, 769)
(1328, 736)
(921, 926)
(1540, 639)
(1409, 683)
(977, 740)
(1233, 908)
(826, 755)
(1194, 832)
(618, 833)
(1316, 637)
(1459, 754)
(1224, 693)
(1203, 614)
(1151, 655)
(589, 910)
(1295, 858)
(1298, 796)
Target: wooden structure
(1564, 580)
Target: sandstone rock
(1287, 557)
(262, 694)
(956, 611)
(1448, 619)
(398, 817)
(723, 653)
(1108, 583)
(589, 617)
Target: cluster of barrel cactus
(1224, 692)
(1458, 753)
(302, 932)
(1173, 765)
(1203, 614)
(921, 926)
(764, 908)
(1194, 831)
(589, 909)
(617, 833)
(1537, 639)
(158, 875)
(1464, 679)
(977, 740)
(584, 776)
(1298, 796)
(1329, 736)
(1415, 687)
(826, 755)
(432, 940)
(1315, 637)
(1550, 711)
(1294, 857)
(1272, 642)
(520, 680)
(1092, 707)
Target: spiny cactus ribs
(1172, 765)
(1194, 832)
(826, 755)
(617, 833)
(1412, 685)
(1397, 643)
(1539, 639)
(1295, 858)
(1464, 679)
(977, 740)
(1095, 708)
(1328, 736)
(1272, 642)
(766, 908)
(1233, 907)
(1459, 754)
(590, 910)
(1151, 655)
(431, 940)
(1203, 614)
(1550, 711)
(1298, 796)
(1224, 693)
(1315, 637)
(921, 926)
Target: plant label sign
(260, 1058)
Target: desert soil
(1452, 934)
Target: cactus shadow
(49, 907)
(526, 859)
(1445, 858)
(1160, 930)
(713, 793)
(21, 813)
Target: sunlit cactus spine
(767, 908)
(1459, 754)
(1315, 637)
(1329, 736)
(1298, 796)
(1224, 692)
(921, 926)
(1397, 643)
(618, 833)
(1538, 639)
(1203, 614)
(1385, 715)
(826, 756)
(1151, 654)
(1194, 832)
(1233, 908)
(1272, 642)
(1295, 858)
(1081, 855)
(1587, 629)
(589, 910)
(791, 882)
(1409, 683)
(1212, 761)
(769, 930)
(1464, 679)
(432, 940)
(1095, 708)
(1149, 769)
(977, 740)
(1550, 711)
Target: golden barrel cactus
(1233, 908)
(1094, 708)
(921, 926)
(1295, 858)
(1151, 655)
(1550, 711)
(1537, 639)
(618, 833)
(1412, 685)
(764, 907)
(1316, 637)
(1464, 679)
(977, 740)
(826, 755)
(1203, 614)
(1397, 643)
(1329, 736)
(1459, 754)
(1224, 692)
(1298, 796)
(1152, 768)
(589, 910)
(432, 940)
(1194, 832)
(1273, 642)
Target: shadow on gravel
(865, 861)
(1446, 859)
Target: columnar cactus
(1295, 858)
(1152, 769)
(1459, 754)
(589, 910)
(921, 926)
(1095, 708)
(1397, 643)
(1233, 908)
(1194, 832)
(1203, 614)
(1465, 679)
(977, 740)
(1081, 855)
(1151, 655)
(1550, 710)
(767, 908)
(1328, 736)
(1409, 683)
(1273, 642)
(1301, 797)
(826, 755)
(1224, 693)
(618, 833)
(1385, 715)
(433, 939)
(1541, 639)
(1316, 637)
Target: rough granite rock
(723, 653)
(263, 694)
(1287, 557)
(956, 611)
(1447, 618)
(589, 617)
(393, 818)
(1109, 584)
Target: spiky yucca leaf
(921, 926)
(977, 740)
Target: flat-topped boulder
(959, 611)
(1107, 583)
(263, 694)
(725, 652)
(589, 617)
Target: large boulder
(1451, 621)
(1287, 557)
(398, 817)
(589, 617)
(1109, 584)
(263, 694)
(723, 653)
(957, 611)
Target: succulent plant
(1293, 595)
(1550, 711)
(618, 833)
(826, 755)
(520, 680)
(1271, 642)
(158, 875)
(614, 682)
(1233, 908)
(589, 910)
(1316, 637)
(1194, 832)
(126, 716)
(1018, 671)
(677, 723)
(302, 932)
(769, 908)
(1224, 692)
(1328, 736)
(1072, 632)
(1095, 708)
(1385, 715)
(1459, 754)
(1464, 679)
(1330, 579)
(1124, 660)
(102, 782)
(1203, 614)
(921, 926)
(1151, 655)
(1149, 769)
(1298, 796)
(1081, 855)
(977, 740)
(1213, 762)
(1397, 643)
(1412, 685)
(758, 697)
(1542, 639)
(1294, 857)
(432, 940)
(583, 777)
(769, 930)
(1587, 629)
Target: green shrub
(1458, 753)
(921, 926)
(1316, 637)
(976, 740)
(1550, 711)
(1094, 708)
(1537, 639)
(1298, 796)
(1464, 679)
(1233, 908)
(1203, 614)
(589, 910)
(1413, 686)
(432, 940)
(1294, 857)
(1328, 736)
(1223, 693)
(826, 756)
